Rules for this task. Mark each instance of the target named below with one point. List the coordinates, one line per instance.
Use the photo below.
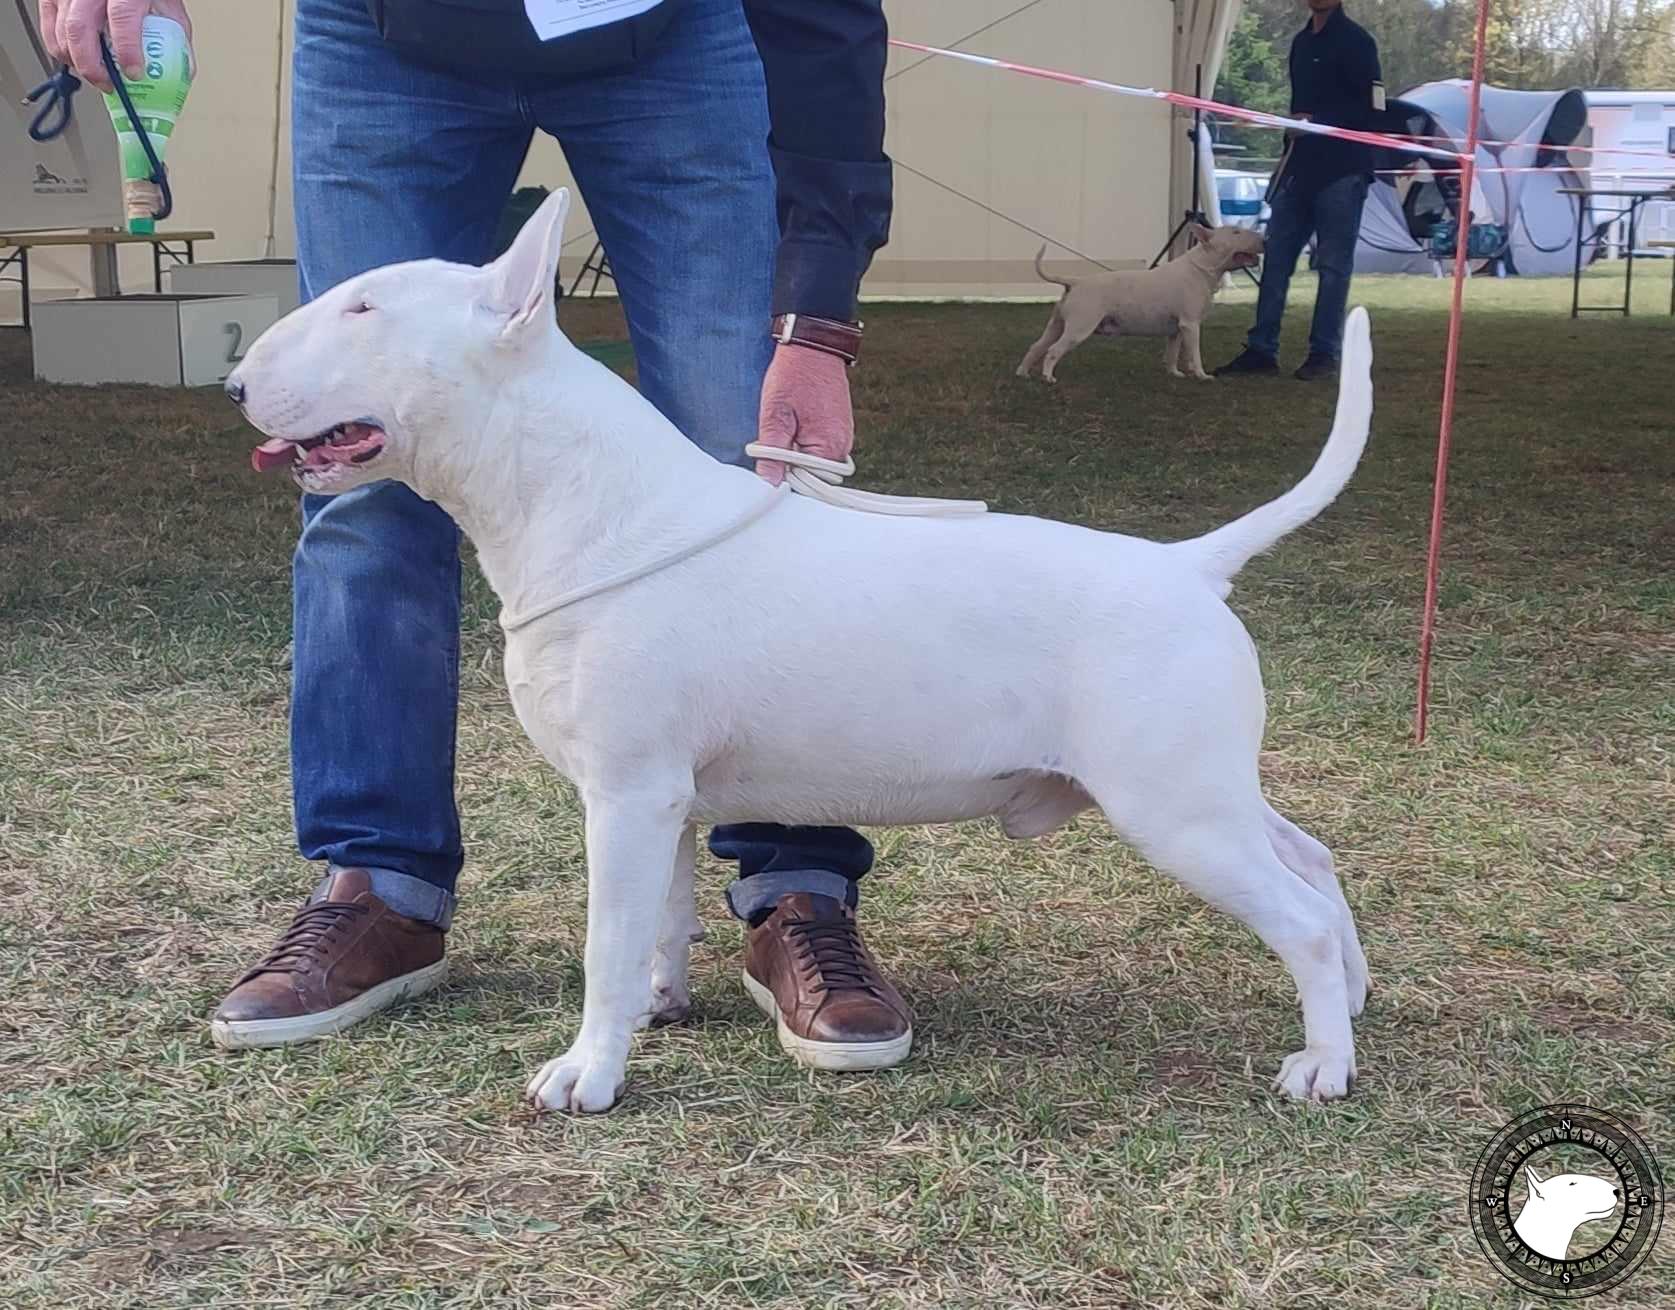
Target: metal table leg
(1576, 272)
(1628, 277)
(106, 279)
(160, 248)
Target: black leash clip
(58, 90)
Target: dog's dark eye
(359, 307)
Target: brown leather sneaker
(344, 957)
(806, 966)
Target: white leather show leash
(821, 479)
(809, 475)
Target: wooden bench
(102, 244)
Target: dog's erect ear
(1200, 233)
(1535, 1181)
(521, 281)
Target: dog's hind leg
(671, 1000)
(1075, 332)
(1312, 862)
(633, 831)
(1049, 334)
(1218, 848)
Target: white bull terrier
(1558, 1206)
(688, 645)
(1170, 301)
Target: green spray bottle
(156, 98)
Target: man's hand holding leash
(805, 406)
(71, 30)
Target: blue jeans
(1332, 215)
(393, 162)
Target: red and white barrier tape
(1409, 144)
(1184, 101)
(1558, 149)
(1633, 174)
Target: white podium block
(240, 277)
(164, 341)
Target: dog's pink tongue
(276, 453)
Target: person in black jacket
(730, 153)
(1319, 188)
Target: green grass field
(1086, 1120)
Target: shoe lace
(832, 950)
(304, 942)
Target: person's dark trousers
(775, 861)
(1332, 215)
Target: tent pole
(1450, 376)
(1197, 127)
(1195, 214)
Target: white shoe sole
(836, 1057)
(242, 1034)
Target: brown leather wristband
(825, 334)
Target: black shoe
(1249, 361)
(1316, 367)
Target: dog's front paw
(576, 1081)
(1176, 373)
(1205, 377)
(1311, 1075)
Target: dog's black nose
(1616, 1193)
(235, 391)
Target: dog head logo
(1556, 1207)
(1567, 1201)
(397, 372)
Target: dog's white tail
(1043, 274)
(1228, 549)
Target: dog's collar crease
(811, 476)
(512, 622)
